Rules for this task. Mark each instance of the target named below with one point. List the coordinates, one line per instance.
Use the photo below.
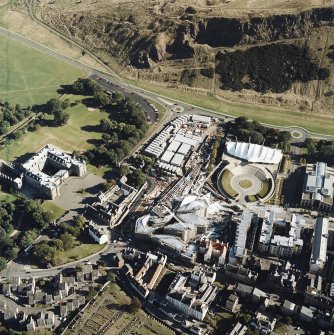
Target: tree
(45, 253)
(68, 240)
(137, 178)
(124, 170)
(135, 305)
(58, 244)
(54, 105)
(245, 318)
(101, 98)
(284, 136)
(3, 263)
(61, 118)
(111, 277)
(11, 253)
(28, 238)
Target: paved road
(149, 109)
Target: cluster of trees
(214, 152)
(322, 150)
(11, 115)
(144, 163)
(49, 251)
(273, 67)
(124, 128)
(8, 250)
(34, 217)
(56, 108)
(246, 130)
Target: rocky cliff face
(226, 32)
(209, 52)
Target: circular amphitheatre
(248, 182)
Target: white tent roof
(254, 153)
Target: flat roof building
(318, 191)
(280, 245)
(319, 247)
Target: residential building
(319, 246)
(112, 204)
(97, 233)
(239, 251)
(265, 324)
(318, 191)
(306, 314)
(232, 303)
(192, 294)
(280, 245)
(144, 272)
(288, 308)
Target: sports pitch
(28, 76)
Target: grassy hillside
(28, 76)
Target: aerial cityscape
(166, 167)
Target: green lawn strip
(251, 198)
(79, 251)
(266, 186)
(55, 210)
(266, 114)
(161, 109)
(28, 76)
(226, 183)
(77, 134)
(7, 197)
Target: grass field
(7, 197)
(245, 183)
(113, 305)
(55, 210)
(226, 184)
(266, 187)
(78, 134)
(79, 251)
(266, 114)
(28, 76)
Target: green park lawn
(266, 186)
(226, 184)
(7, 197)
(79, 251)
(77, 134)
(55, 210)
(266, 114)
(28, 76)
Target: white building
(49, 168)
(192, 295)
(278, 245)
(319, 247)
(254, 153)
(238, 251)
(318, 192)
(97, 234)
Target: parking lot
(76, 192)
